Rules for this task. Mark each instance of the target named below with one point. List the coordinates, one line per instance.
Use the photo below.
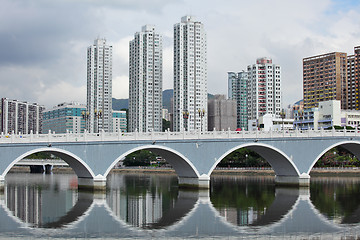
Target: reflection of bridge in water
(191, 214)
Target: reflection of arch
(278, 160)
(351, 146)
(78, 165)
(348, 208)
(83, 203)
(74, 215)
(285, 200)
(182, 166)
(184, 204)
(285, 203)
(177, 216)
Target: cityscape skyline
(62, 31)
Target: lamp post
(186, 117)
(282, 115)
(97, 115)
(85, 116)
(201, 115)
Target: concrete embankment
(343, 172)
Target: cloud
(120, 86)
(62, 92)
(43, 43)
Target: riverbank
(343, 172)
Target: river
(151, 206)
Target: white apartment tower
(145, 81)
(99, 87)
(263, 89)
(190, 76)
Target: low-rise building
(327, 115)
(271, 122)
(119, 121)
(65, 117)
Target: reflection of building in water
(137, 210)
(241, 217)
(37, 206)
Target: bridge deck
(74, 137)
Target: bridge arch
(181, 164)
(351, 146)
(81, 169)
(279, 161)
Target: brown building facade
(353, 73)
(325, 78)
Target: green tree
(243, 157)
(165, 124)
(337, 156)
(140, 158)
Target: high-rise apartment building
(145, 81)
(324, 79)
(353, 77)
(65, 117)
(99, 87)
(190, 76)
(263, 89)
(237, 90)
(20, 117)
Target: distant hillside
(119, 104)
(167, 95)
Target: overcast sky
(43, 43)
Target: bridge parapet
(88, 137)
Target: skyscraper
(263, 89)
(145, 81)
(237, 90)
(99, 87)
(190, 76)
(353, 77)
(325, 78)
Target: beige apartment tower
(353, 74)
(324, 79)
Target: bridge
(193, 155)
(41, 165)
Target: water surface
(152, 206)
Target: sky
(43, 43)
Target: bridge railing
(102, 136)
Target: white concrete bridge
(193, 155)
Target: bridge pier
(2, 184)
(202, 182)
(97, 183)
(301, 181)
